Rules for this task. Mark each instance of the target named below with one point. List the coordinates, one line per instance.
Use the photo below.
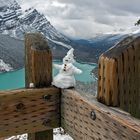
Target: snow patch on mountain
(6, 2)
(4, 67)
(15, 22)
(60, 43)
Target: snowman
(65, 78)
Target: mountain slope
(4, 67)
(15, 23)
(97, 45)
(11, 52)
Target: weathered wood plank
(109, 124)
(29, 110)
(38, 68)
(38, 61)
(119, 76)
(114, 82)
(107, 83)
(129, 78)
(101, 79)
(41, 67)
(136, 95)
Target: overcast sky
(85, 18)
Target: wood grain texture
(38, 61)
(41, 68)
(38, 69)
(107, 82)
(110, 123)
(25, 110)
(119, 76)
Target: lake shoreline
(16, 78)
(55, 60)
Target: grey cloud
(130, 6)
(84, 18)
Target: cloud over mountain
(85, 18)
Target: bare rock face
(11, 52)
(15, 23)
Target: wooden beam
(38, 67)
(29, 110)
(90, 120)
(38, 61)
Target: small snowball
(31, 85)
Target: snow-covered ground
(59, 43)
(4, 67)
(58, 135)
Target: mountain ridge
(15, 23)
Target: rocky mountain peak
(15, 23)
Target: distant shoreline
(54, 60)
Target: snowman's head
(67, 60)
(69, 57)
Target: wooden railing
(87, 119)
(119, 76)
(29, 110)
(38, 110)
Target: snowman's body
(65, 77)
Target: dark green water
(15, 79)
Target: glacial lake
(16, 79)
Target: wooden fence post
(119, 76)
(38, 70)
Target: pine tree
(137, 23)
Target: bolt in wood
(93, 115)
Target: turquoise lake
(16, 79)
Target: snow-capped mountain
(9, 14)
(15, 23)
